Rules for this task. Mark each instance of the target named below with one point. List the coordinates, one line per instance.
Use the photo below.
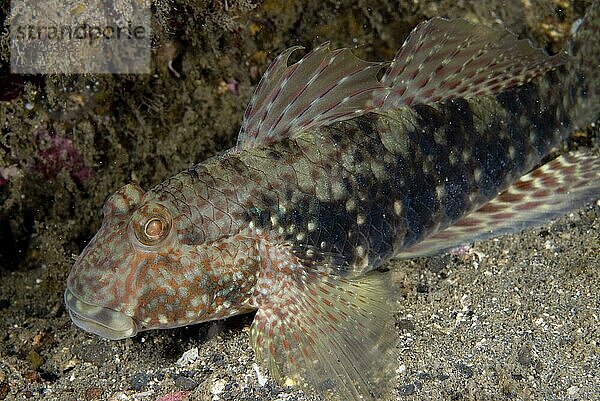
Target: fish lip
(104, 322)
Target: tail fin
(583, 95)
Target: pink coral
(56, 153)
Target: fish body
(335, 173)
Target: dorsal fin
(443, 59)
(323, 87)
(440, 59)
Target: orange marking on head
(135, 264)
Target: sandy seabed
(514, 318)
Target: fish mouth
(104, 322)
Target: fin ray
(323, 87)
(440, 59)
(549, 191)
(583, 96)
(324, 332)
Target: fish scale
(383, 231)
(334, 173)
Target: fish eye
(151, 224)
(155, 229)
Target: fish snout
(99, 320)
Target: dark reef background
(512, 318)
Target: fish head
(135, 274)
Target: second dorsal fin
(444, 59)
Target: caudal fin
(583, 96)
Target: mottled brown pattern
(316, 195)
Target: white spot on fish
(466, 155)
(511, 151)
(439, 190)
(360, 219)
(397, 207)
(360, 251)
(350, 205)
(532, 136)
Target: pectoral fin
(329, 334)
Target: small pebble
(185, 383)
(407, 390)
(188, 357)
(35, 360)
(422, 288)
(262, 380)
(571, 391)
(139, 381)
(93, 393)
(406, 325)
(218, 387)
(524, 356)
(466, 370)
